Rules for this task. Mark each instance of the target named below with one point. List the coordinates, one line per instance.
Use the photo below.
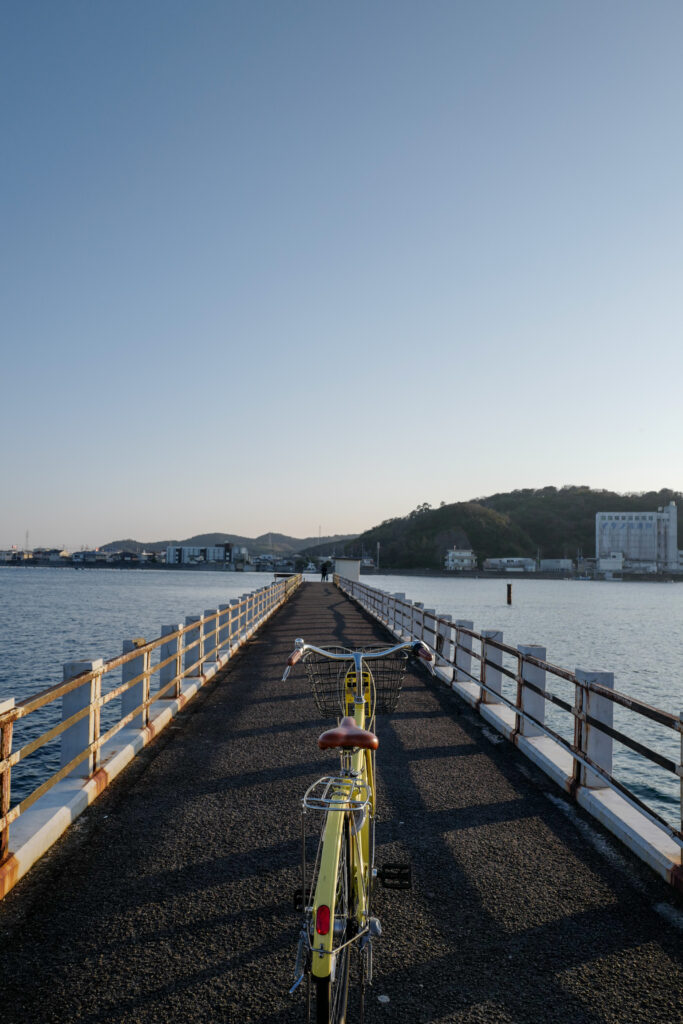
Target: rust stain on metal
(9, 874)
(101, 780)
(676, 877)
(151, 730)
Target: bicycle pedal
(396, 876)
(298, 900)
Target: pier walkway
(169, 900)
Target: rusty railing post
(417, 620)
(398, 599)
(79, 736)
(191, 655)
(491, 675)
(223, 622)
(579, 735)
(210, 634)
(5, 778)
(429, 626)
(532, 703)
(135, 696)
(234, 622)
(595, 743)
(171, 649)
(444, 637)
(463, 652)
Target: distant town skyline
(287, 266)
(312, 538)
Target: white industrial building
(647, 541)
(460, 559)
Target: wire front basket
(333, 683)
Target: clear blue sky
(299, 265)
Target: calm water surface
(51, 616)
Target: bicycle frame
(356, 776)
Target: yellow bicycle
(335, 896)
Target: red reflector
(322, 920)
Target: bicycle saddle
(347, 735)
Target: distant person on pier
(324, 569)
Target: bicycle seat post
(358, 665)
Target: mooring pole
(509, 593)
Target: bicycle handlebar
(417, 648)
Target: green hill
(420, 539)
(557, 522)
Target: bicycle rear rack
(337, 793)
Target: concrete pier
(170, 899)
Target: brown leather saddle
(347, 735)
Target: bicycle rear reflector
(322, 920)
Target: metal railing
(185, 653)
(456, 644)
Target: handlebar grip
(294, 657)
(422, 651)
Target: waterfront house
(460, 560)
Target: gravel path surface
(169, 901)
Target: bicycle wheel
(332, 993)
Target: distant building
(607, 567)
(510, 565)
(556, 565)
(460, 559)
(647, 541)
(179, 554)
(91, 557)
(54, 556)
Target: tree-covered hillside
(420, 539)
(557, 522)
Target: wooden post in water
(509, 593)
